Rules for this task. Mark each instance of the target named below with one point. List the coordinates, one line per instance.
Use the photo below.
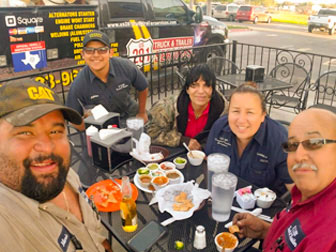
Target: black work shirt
(87, 90)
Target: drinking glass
(223, 188)
(217, 162)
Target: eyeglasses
(309, 144)
(101, 50)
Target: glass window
(125, 8)
(169, 10)
(245, 8)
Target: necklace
(66, 201)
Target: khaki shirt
(27, 225)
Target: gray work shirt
(88, 90)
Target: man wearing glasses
(308, 224)
(107, 80)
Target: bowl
(265, 197)
(145, 180)
(159, 182)
(152, 166)
(157, 149)
(173, 176)
(230, 240)
(143, 170)
(180, 162)
(157, 173)
(196, 157)
(167, 166)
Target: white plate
(145, 189)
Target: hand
(194, 144)
(250, 226)
(144, 116)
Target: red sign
(24, 47)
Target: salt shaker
(200, 239)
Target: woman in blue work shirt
(252, 140)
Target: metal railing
(160, 67)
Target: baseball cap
(96, 36)
(24, 101)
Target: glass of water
(217, 162)
(136, 126)
(223, 188)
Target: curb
(239, 30)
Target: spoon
(186, 146)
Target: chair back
(223, 66)
(297, 76)
(325, 91)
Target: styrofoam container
(265, 197)
(220, 248)
(196, 158)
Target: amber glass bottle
(128, 212)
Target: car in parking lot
(253, 13)
(228, 11)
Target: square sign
(29, 56)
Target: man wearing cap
(42, 205)
(308, 224)
(107, 80)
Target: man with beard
(308, 224)
(42, 205)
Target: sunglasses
(101, 50)
(310, 144)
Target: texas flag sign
(29, 56)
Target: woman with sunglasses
(252, 140)
(188, 117)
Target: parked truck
(36, 38)
(325, 20)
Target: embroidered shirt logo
(263, 159)
(223, 142)
(294, 234)
(121, 86)
(94, 97)
(64, 239)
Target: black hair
(196, 72)
(250, 87)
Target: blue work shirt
(87, 90)
(263, 162)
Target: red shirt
(195, 126)
(308, 226)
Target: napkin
(98, 112)
(106, 133)
(166, 196)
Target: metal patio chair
(223, 66)
(294, 97)
(325, 91)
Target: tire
(240, 21)
(269, 20)
(332, 30)
(310, 29)
(255, 20)
(213, 52)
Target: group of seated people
(201, 117)
(44, 208)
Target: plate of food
(143, 183)
(181, 200)
(107, 196)
(157, 154)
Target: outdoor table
(182, 230)
(268, 86)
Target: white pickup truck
(325, 20)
